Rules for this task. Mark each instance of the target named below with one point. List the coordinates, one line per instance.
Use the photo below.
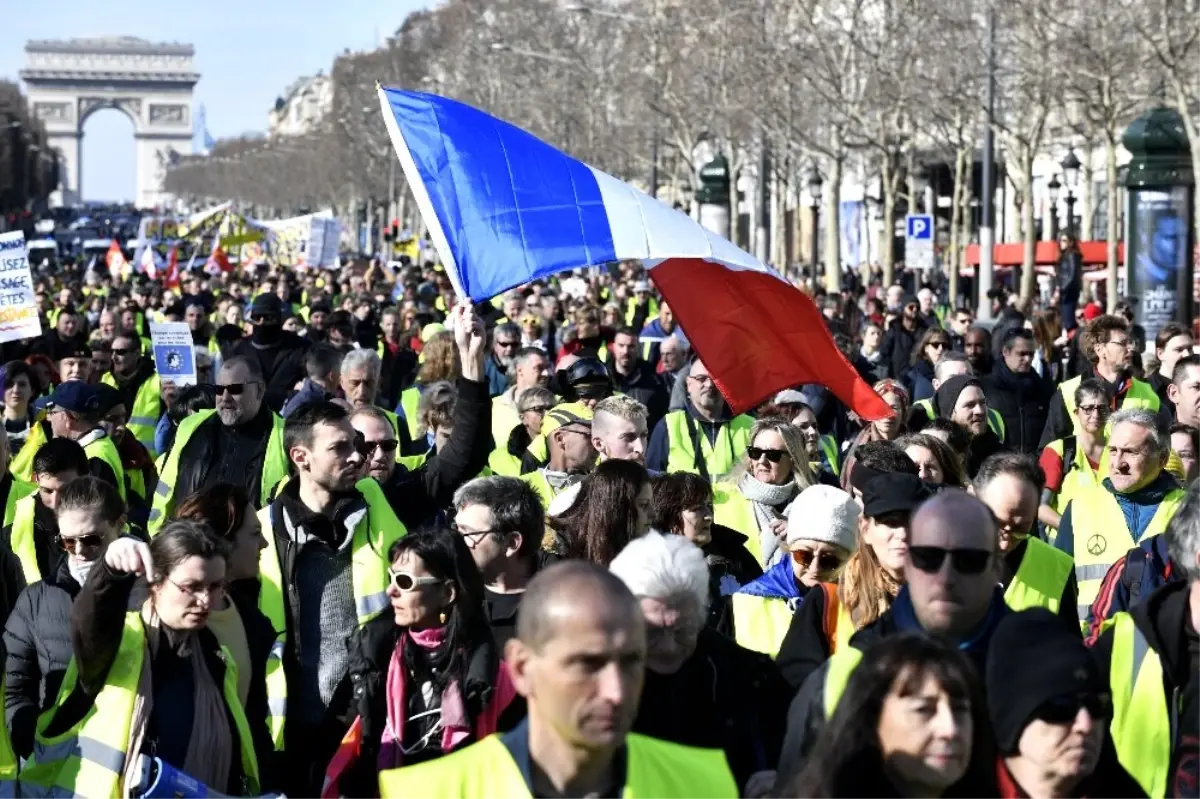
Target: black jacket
(730, 566)
(980, 449)
(97, 624)
(282, 364)
(1069, 275)
(1023, 400)
(897, 347)
(724, 697)
(396, 374)
(645, 386)
(38, 640)
(218, 454)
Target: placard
(18, 306)
(174, 357)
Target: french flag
(504, 208)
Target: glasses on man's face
(506, 344)
(235, 389)
(472, 537)
(826, 561)
(1123, 343)
(540, 410)
(121, 352)
(211, 592)
(74, 544)
(1094, 410)
(1065, 709)
(386, 445)
(964, 561)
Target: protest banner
(174, 358)
(18, 306)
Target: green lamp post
(1159, 238)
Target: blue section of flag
(511, 207)
(174, 360)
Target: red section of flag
(758, 335)
(115, 258)
(171, 276)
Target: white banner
(174, 357)
(18, 306)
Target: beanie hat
(823, 513)
(947, 394)
(1034, 657)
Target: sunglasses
(1064, 709)
(597, 393)
(964, 561)
(826, 561)
(403, 581)
(538, 409)
(118, 352)
(772, 455)
(235, 389)
(387, 445)
(81, 542)
(941, 345)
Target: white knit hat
(824, 513)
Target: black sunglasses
(235, 389)
(88, 541)
(1064, 709)
(826, 561)
(772, 455)
(117, 351)
(388, 445)
(964, 561)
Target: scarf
(210, 746)
(454, 722)
(779, 582)
(764, 499)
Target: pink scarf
(455, 724)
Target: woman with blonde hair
(755, 496)
(439, 362)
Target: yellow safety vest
(995, 420)
(541, 486)
(146, 410)
(395, 420)
(1040, 579)
(275, 467)
(1080, 476)
(1101, 536)
(19, 529)
(22, 462)
(760, 622)
(502, 462)
(504, 419)
(733, 510)
(373, 538)
(1139, 395)
(653, 768)
(105, 450)
(829, 447)
(8, 758)
(631, 310)
(732, 439)
(88, 760)
(410, 400)
(1141, 723)
(842, 664)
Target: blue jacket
(902, 618)
(1138, 508)
(497, 380)
(777, 582)
(309, 392)
(1123, 588)
(655, 330)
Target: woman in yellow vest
(753, 499)
(821, 531)
(532, 405)
(153, 681)
(439, 362)
(428, 677)
(1073, 463)
(875, 744)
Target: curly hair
(439, 359)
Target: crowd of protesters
(390, 544)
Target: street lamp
(1070, 166)
(815, 184)
(1053, 188)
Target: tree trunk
(887, 234)
(1028, 234)
(1112, 232)
(1087, 194)
(831, 252)
(950, 262)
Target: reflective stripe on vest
(760, 622)
(1040, 579)
(733, 510)
(105, 450)
(841, 665)
(374, 535)
(274, 470)
(1101, 536)
(927, 406)
(21, 534)
(146, 410)
(1141, 723)
(731, 441)
(654, 768)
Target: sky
(247, 53)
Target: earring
(442, 617)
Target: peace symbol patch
(1096, 545)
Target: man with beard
(1020, 395)
(977, 346)
(902, 335)
(961, 400)
(506, 340)
(634, 376)
(278, 354)
(703, 437)
(241, 443)
(140, 387)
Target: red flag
(115, 258)
(758, 334)
(171, 276)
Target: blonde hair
(793, 442)
(439, 359)
(866, 589)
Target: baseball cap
(566, 413)
(75, 396)
(109, 397)
(641, 286)
(893, 492)
(266, 305)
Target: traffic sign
(918, 241)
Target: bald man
(578, 659)
(952, 591)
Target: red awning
(1045, 253)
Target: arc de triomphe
(66, 81)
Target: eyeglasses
(593, 392)
(235, 389)
(75, 543)
(1090, 410)
(826, 561)
(701, 380)
(1064, 709)
(772, 455)
(211, 592)
(403, 581)
(506, 344)
(386, 445)
(1122, 343)
(964, 561)
(941, 345)
(542, 409)
(119, 352)
(472, 537)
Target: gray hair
(534, 396)
(1159, 441)
(949, 357)
(662, 567)
(367, 360)
(1183, 534)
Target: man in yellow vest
(31, 530)
(568, 432)
(1074, 462)
(701, 438)
(325, 568)
(529, 367)
(1150, 661)
(952, 567)
(1108, 345)
(1136, 500)
(579, 660)
(1033, 573)
(140, 387)
(240, 442)
(73, 411)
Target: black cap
(75, 396)
(947, 394)
(1035, 657)
(110, 397)
(893, 492)
(266, 305)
